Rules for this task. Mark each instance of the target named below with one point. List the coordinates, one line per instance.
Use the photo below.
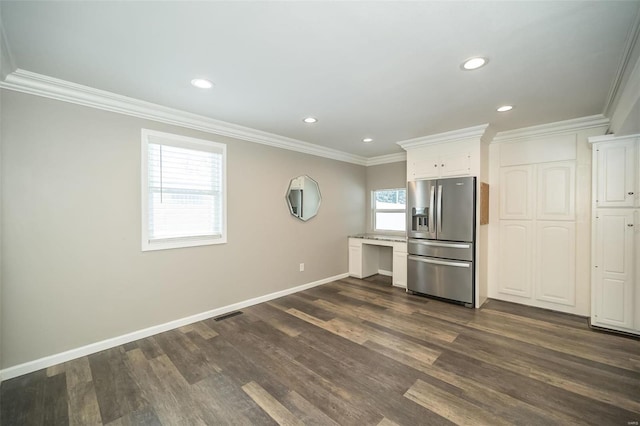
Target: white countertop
(394, 238)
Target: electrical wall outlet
(302, 267)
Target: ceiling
(385, 70)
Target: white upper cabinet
(439, 160)
(616, 181)
(556, 191)
(550, 186)
(516, 192)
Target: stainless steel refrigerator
(441, 238)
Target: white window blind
(184, 190)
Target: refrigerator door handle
(434, 244)
(439, 208)
(440, 262)
(432, 211)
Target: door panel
(455, 164)
(616, 174)
(556, 262)
(455, 198)
(556, 191)
(421, 220)
(516, 192)
(615, 269)
(514, 270)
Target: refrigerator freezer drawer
(434, 248)
(449, 279)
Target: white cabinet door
(426, 169)
(455, 164)
(555, 269)
(616, 177)
(515, 259)
(636, 246)
(440, 160)
(516, 192)
(613, 292)
(400, 265)
(355, 259)
(556, 191)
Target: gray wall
(384, 176)
(72, 267)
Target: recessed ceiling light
(310, 120)
(474, 63)
(201, 83)
(505, 108)
(367, 140)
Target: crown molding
(53, 88)
(633, 38)
(452, 136)
(566, 126)
(611, 138)
(389, 158)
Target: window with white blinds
(183, 191)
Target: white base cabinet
(364, 259)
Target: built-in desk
(364, 256)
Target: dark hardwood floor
(350, 352)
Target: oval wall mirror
(303, 197)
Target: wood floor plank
(222, 396)
(116, 392)
(329, 397)
(305, 411)
(555, 342)
(190, 360)
(376, 397)
(270, 405)
(150, 347)
(78, 371)
(350, 352)
(449, 406)
(55, 370)
(302, 305)
(55, 404)
(406, 324)
(387, 422)
(144, 417)
(548, 398)
(83, 402)
(83, 405)
(306, 317)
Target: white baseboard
(385, 273)
(48, 361)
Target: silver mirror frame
(308, 184)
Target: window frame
(374, 210)
(156, 137)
